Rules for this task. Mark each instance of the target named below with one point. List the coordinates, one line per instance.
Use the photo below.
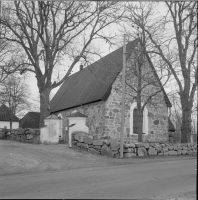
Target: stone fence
(23, 135)
(111, 148)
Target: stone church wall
(95, 117)
(158, 123)
(157, 115)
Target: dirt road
(157, 180)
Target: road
(160, 180)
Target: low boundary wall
(22, 135)
(112, 148)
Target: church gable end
(155, 120)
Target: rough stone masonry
(23, 135)
(111, 148)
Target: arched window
(133, 119)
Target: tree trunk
(10, 114)
(44, 105)
(10, 123)
(186, 124)
(139, 127)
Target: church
(94, 92)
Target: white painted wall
(15, 125)
(44, 136)
(51, 132)
(79, 126)
(61, 125)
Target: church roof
(93, 83)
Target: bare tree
(14, 94)
(145, 78)
(50, 32)
(176, 116)
(3, 73)
(10, 61)
(173, 37)
(35, 102)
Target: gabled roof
(77, 114)
(30, 120)
(6, 115)
(91, 84)
(52, 117)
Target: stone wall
(113, 108)
(157, 122)
(157, 119)
(106, 146)
(157, 114)
(95, 117)
(22, 135)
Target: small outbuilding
(30, 120)
(7, 116)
